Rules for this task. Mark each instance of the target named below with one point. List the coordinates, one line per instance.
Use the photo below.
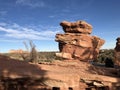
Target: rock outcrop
(117, 51)
(76, 27)
(77, 43)
(17, 51)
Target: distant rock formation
(77, 43)
(17, 51)
(117, 51)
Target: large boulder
(77, 43)
(76, 27)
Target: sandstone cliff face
(117, 51)
(77, 43)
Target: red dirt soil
(63, 74)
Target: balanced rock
(77, 43)
(117, 51)
(76, 27)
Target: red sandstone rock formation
(117, 51)
(77, 43)
(76, 27)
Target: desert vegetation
(50, 56)
(105, 53)
(32, 55)
(41, 56)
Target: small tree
(32, 54)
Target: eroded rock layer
(117, 51)
(77, 43)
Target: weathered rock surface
(20, 75)
(76, 27)
(77, 42)
(117, 51)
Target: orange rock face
(77, 43)
(117, 51)
(17, 51)
(76, 27)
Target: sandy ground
(57, 73)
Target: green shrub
(104, 54)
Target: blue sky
(38, 20)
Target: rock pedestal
(77, 43)
(117, 51)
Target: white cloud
(15, 25)
(8, 40)
(16, 31)
(2, 24)
(52, 16)
(31, 3)
(2, 13)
